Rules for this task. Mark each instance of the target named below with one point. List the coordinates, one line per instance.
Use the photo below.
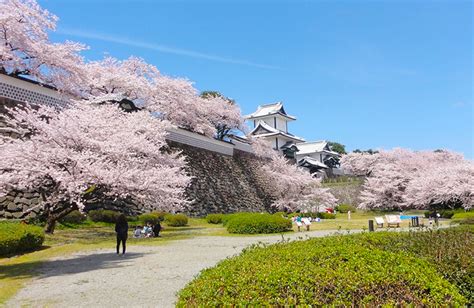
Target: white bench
(379, 221)
(393, 220)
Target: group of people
(302, 221)
(121, 229)
(149, 230)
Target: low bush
(227, 217)
(281, 214)
(103, 216)
(324, 215)
(344, 208)
(18, 237)
(75, 217)
(214, 218)
(176, 220)
(152, 218)
(252, 223)
(464, 218)
(448, 214)
(370, 269)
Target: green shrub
(176, 220)
(75, 217)
(324, 215)
(152, 218)
(281, 214)
(132, 218)
(344, 208)
(103, 216)
(464, 218)
(18, 237)
(252, 223)
(370, 269)
(214, 218)
(227, 217)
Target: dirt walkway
(147, 276)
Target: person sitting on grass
(157, 229)
(148, 230)
(137, 233)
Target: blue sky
(368, 74)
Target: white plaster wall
(281, 125)
(270, 121)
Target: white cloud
(160, 48)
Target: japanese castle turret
(271, 122)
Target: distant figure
(307, 222)
(138, 232)
(121, 228)
(157, 229)
(349, 215)
(298, 222)
(147, 230)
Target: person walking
(121, 228)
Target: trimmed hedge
(344, 208)
(75, 217)
(448, 214)
(253, 223)
(148, 217)
(324, 215)
(18, 237)
(370, 269)
(214, 218)
(464, 218)
(103, 216)
(176, 220)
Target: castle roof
(262, 129)
(315, 147)
(268, 110)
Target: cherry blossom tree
(25, 48)
(226, 115)
(291, 187)
(67, 154)
(112, 80)
(401, 179)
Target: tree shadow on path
(70, 265)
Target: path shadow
(70, 265)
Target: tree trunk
(55, 216)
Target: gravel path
(147, 276)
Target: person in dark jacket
(121, 228)
(157, 229)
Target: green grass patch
(376, 269)
(464, 218)
(19, 237)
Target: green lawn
(360, 220)
(16, 271)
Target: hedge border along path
(339, 271)
(17, 237)
(153, 274)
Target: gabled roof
(289, 145)
(270, 109)
(311, 162)
(262, 129)
(313, 147)
(261, 125)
